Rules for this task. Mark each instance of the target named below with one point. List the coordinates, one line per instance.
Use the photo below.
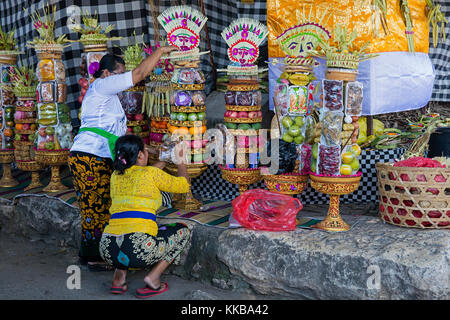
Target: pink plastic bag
(259, 209)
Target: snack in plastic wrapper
(61, 92)
(305, 158)
(131, 101)
(244, 98)
(186, 76)
(199, 77)
(46, 70)
(331, 128)
(230, 98)
(298, 98)
(329, 160)
(332, 95)
(60, 75)
(199, 98)
(183, 99)
(47, 90)
(354, 98)
(7, 95)
(282, 98)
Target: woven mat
(24, 179)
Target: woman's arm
(146, 66)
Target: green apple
(299, 121)
(49, 131)
(182, 116)
(299, 139)
(287, 122)
(173, 116)
(201, 115)
(192, 116)
(294, 131)
(256, 126)
(286, 137)
(244, 126)
(230, 125)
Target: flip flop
(119, 289)
(147, 292)
(99, 267)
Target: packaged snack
(63, 113)
(199, 98)
(131, 101)
(46, 70)
(173, 96)
(60, 70)
(331, 128)
(244, 98)
(353, 98)
(305, 158)
(5, 74)
(47, 91)
(256, 98)
(309, 129)
(282, 97)
(199, 77)
(7, 95)
(47, 114)
(61, 92)
(230, 98)
(183, 99)
(332, 95)
(329, 160)
(298, 98)
(186, 76)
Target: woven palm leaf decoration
(183, 25)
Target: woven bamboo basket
(8, 58)
(178, 123)
(196, 87)
(240, 132)
(160, 119)
(136, 123)
(157, 130)
(243, 108)
(188, 109)
(339, 74)
(342, 60)
(414, 197)
(242, 87)
(242, 120)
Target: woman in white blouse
(102, 122)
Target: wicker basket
(196, 87)
(340, 74)
(242, 120)
(178, 123)
(188, 109)
(243, 108)
(411, 197)
(286, 183)
(242, 87)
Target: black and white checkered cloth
(210, 184)
(127, 16)
(440, 56)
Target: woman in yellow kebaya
(132, 238)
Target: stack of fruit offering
(55, 129)
(187, 99)
(94, 38)
(243, 98)
(25, 83)
(7, 100)
(132, 99)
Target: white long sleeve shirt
(101, 108)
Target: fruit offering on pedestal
(25, 83)
(8, 58)
(54, 137)
(94, 39)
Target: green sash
(111, 138)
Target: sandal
(119, 289)
(147, 292)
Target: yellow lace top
(139, 189)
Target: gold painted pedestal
(242, 177)
(7, 180)
(34, 167)
(334, 187)
(187, 201)
(54, 159)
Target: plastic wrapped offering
(332, 95)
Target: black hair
(127, 152)
(108, 62)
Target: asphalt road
(34, 270)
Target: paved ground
(35, 270)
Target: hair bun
(97, 74)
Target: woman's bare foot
(120, 278)
(152, 283)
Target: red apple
(41, 145)
(50, 138)
(196, 144)
(233, 114)
(227, 114)
(243, 114)
(259, 114)
(129, 130)
(26, 126)
(253, 114)
(138, 117)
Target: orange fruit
(182, 130)
(19, 126)
(8, 132)
(172, 128)
(195, 130)
(203, 129)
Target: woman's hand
(151, 150)
(145, 67)
(167, 49)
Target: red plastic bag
(259, 209)
(419, 162)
